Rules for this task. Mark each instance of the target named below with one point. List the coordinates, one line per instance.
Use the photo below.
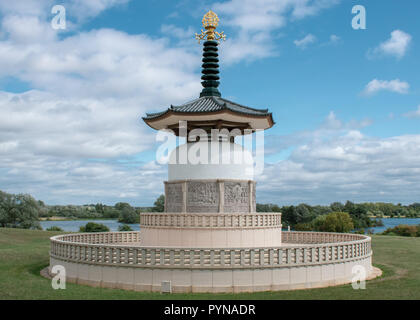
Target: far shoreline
(55, 218)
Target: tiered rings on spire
(210, 71)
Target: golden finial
(210, 22)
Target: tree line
(363, 215)
(23, 211)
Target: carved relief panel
(236, 196)
(202, 196)
(174, 197)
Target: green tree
(121, 205)
(159, 205)
(336, 206)
(334, 222)
(127, 214)
(99, 207)
(318, 224)
(19, 211)
(94, 227)
(111, 212)
(303, 227)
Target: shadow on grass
(35, 269)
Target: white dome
(210, 160)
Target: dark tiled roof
(209, 104)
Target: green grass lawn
(23, 253)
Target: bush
(304, 227)
(124, 227)
(54, 228)
(94, 227)
(404, 231)
(334, 222)
(360, 231)
(377, 223)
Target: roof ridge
(191, 102)
(242, 106)
(211, 104)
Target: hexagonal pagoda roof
(211, 109)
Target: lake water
(74, 225)
(393, 222)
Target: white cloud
(77, 135)
(73, 181)
(178, 32)
(337, 162)
(307, 40)
(45, 124)
(102, 63)
(413, 114)
(304, 8)
(396, 46)
(255, 22)
(332, 126)
(83, 9)
(75, 9)
(334, 38)
(27, 29)
(396, 85)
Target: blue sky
(346, 102)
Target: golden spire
(210, 22)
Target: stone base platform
(215, 281)
(119, 260)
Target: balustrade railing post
(171, 257)
(271, 257)
(191, 257)
(182, 257)
(153, 257)
(212, 257)
(143, 257)
(201, 257)
(261, 257)
(162, 257)
(118, 255)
